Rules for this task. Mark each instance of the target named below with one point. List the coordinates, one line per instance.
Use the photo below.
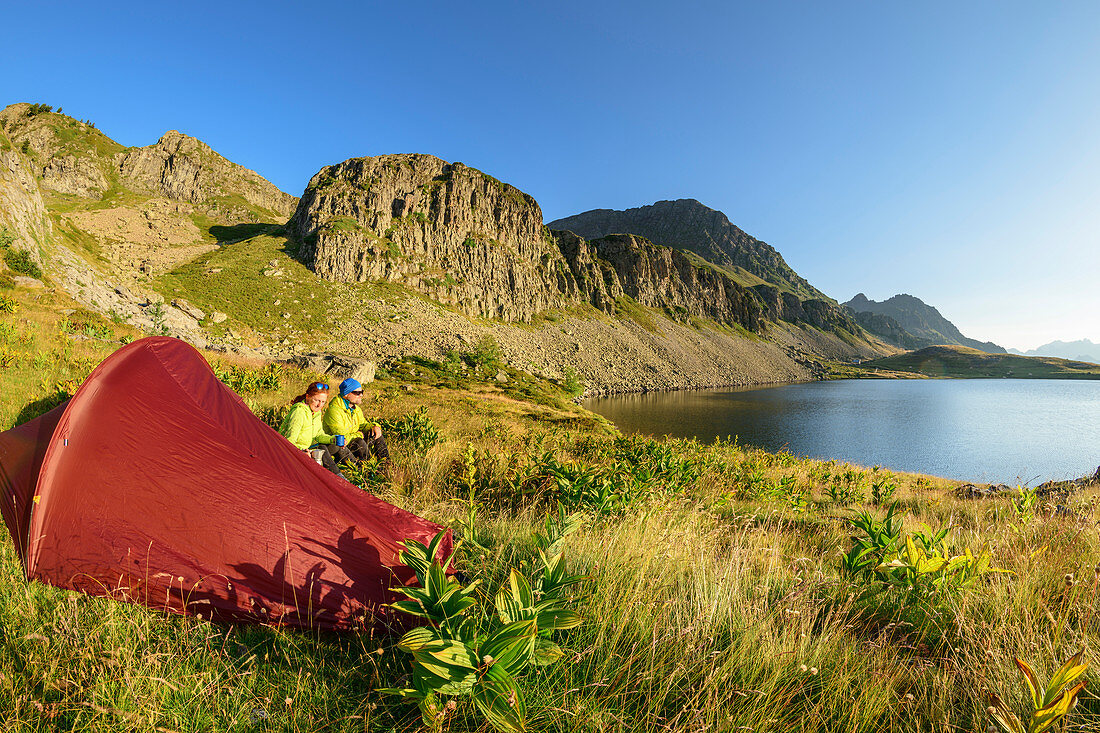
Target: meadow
(718, 587)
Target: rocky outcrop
(663, 278)
(185, 169)
(887, 329)
(925, 324)
(448, 230)
(76, 176)
(688, 225)
(22, 212)
(783, 305)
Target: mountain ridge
(1079, 350)
(924, 324)
(689, 225)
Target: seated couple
(312, 428)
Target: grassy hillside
(726, 590)
(964, 362)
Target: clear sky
(950, 150)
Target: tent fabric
(156, 484)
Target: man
(344, 417)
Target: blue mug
(340, 441)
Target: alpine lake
(1010, 431)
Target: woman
(302, 426)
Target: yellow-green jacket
(303, 427)
(344, 418)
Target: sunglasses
(356, 391)
(320, 385)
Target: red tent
(155, 484)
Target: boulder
(189, 309)
(337, 365)
(218, 317)
(23, 281)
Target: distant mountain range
(909, 322)
(1083, 350)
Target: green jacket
(303, 427)
(344, 418)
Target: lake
(1009, 431)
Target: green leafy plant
(874, 540)
(416, 428)
(1025, 506)
(465, 651)
(1049, 703)
(8, 304)
(158, 314)
(571, 383)
(882, 490)
(245, 380)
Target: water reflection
(998, 430)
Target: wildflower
(487, 660)
(813, 670)
(909, 697)
(804, 668)
(379, 651)
(451, 704)
(512, 699)
(289, 701)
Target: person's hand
(376, 431)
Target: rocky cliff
(688, 225)
(22, 212)
(924, 324)
(448, 230)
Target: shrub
(21, 261)
(572, 383)
(8, 304)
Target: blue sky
(947, 150)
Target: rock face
(185, 169)
(688, 225)
(22, 211)
(663, 278)
(76, 176)
(448, 230)
(923, 322)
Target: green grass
(239, 288)
(627, 307)
(963, 362)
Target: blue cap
(349, 385)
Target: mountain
(923, 323)
(470, 241)
(689, 226)
(1082, 350)
(386, 257)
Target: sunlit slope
(964, 362)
